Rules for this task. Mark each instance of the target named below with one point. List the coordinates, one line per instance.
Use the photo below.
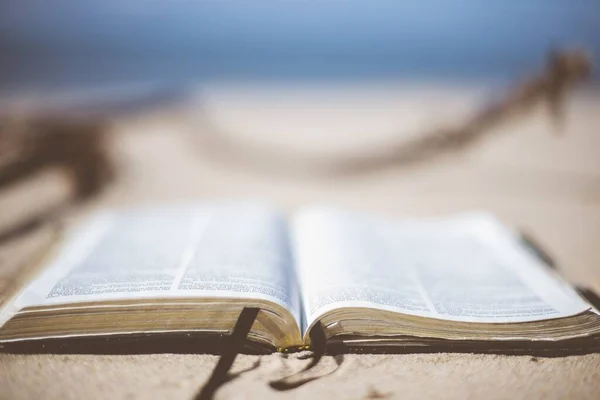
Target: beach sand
(531, 177)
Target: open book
(367, 281)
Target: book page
(464, 268)
(226, 251)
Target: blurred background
(78, 44)
(146, 102)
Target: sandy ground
(531, 177)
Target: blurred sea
(45, 45)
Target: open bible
(365, 280)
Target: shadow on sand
(229, 346)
